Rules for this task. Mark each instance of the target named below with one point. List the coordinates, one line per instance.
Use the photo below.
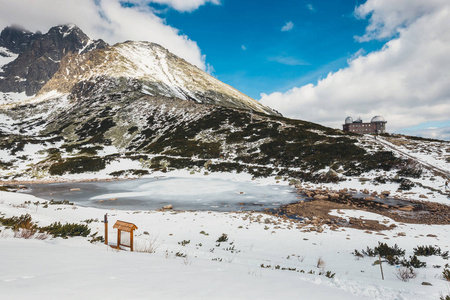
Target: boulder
(321, 197)
(406, 208)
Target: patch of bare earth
(316, 210)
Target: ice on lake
(216, 194)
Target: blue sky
(245, 44)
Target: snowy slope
(6, 57)
(244, 267)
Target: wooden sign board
(127, 227)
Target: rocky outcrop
(40, 55)
(17, 39)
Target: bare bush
(147, 246)
(42, 236)
(24, 233)
(320, 263)
(446, 274)
(405, 273)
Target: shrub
(427, 251)
(406, 184)
(405, 273)
(411, 169)
(58, 230)
(222, 238)
(16, 223)
(180, 254)
(184, 242)
(446, 274)
(320, 263)
(358, 254)
(76, 165)
(413, 262)
(384, 251)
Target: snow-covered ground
(189, 263)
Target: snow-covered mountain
(69, 104)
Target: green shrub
(184, 242)
(384, 250)
(76, 165)
(15, 223)
(67, 230)
(223, 238)
(427, 250)
(413, 262)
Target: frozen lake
(204, 193)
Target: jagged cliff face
(39, 56)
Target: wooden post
(106, 229)
(131, 240)
(118, 239)
(381, 268)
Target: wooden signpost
(127, 227)
(106, 229)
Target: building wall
(361, 128)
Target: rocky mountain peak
(17, 39)
(40, 55)
(154, 71)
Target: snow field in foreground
(76, 269)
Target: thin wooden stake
(131, 240)
(118, 238)
(106, 229)
(381, 268)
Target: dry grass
(320, 263)
(147, 246)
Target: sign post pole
(106, 229)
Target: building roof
(125, 226)
(378, 119)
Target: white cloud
(107, 19)
(442, 133)
(387, 17)
(185, 5)
(407, 81)
(288, 60)
(288, 26)
(243, 47)
(310, 7)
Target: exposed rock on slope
(39, 55)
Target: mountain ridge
(134, 107)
